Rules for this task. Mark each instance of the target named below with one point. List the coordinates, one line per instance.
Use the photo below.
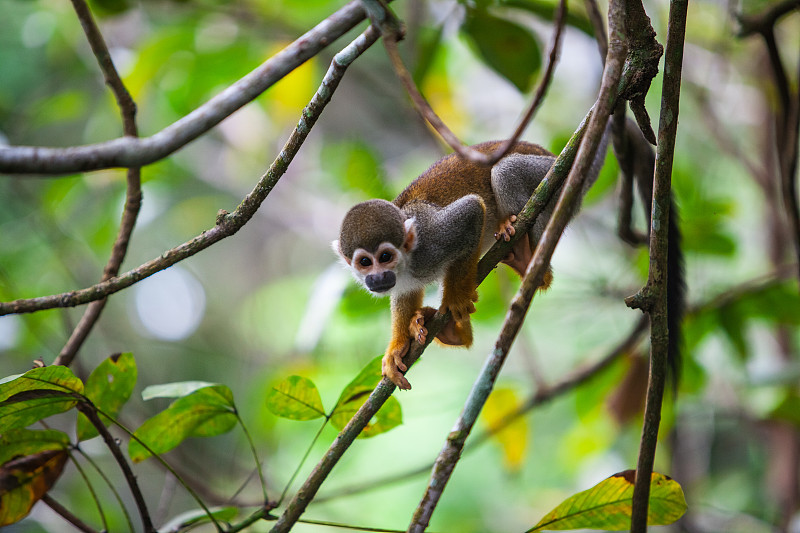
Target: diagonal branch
(132, 152)
(227, 223)
(133, 194)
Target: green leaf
(507, 48)
(109, 386)
(296, 398)
(19, 442)
(607, 505)
(24, 480)
(206, 412)
(356, 393)
(788, 410)
(198, 516)
(37, 394)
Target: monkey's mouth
(382, 282)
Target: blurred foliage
(277, 304)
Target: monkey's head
(375, 240)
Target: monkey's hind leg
(458, 297)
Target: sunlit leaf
(607, 505)
(24, 480)
(109, 386)
(176, 389)
(37, 394)
(507, 48)
(296, 398)
(205, 412)
(357, 392)
(513, 438)
(198, 516)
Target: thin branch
(757, 23)
(132, 152)
(656, 287)
(534, 276)
(65, 513)
(599, 26)
(133, 194)
(227, 223)
(90, 413)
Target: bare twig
(65, 513)
(133, 194)
(227, 223)
(534, 276)
(599, 25)
(656, 288)
(131, 152)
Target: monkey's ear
(410, 242)
(338, 251)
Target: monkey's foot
(392, 367)
(519, 256)
(506, 230)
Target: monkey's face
(376, 271)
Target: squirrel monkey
(436, 230)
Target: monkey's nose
(381, 282)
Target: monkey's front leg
(458, 297)
(404, 308)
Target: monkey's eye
(385, 257)
(365, 261)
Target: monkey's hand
(506, 230)
(392, 365)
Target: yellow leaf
(511, 437)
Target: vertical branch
(133, 194)
(656, 290)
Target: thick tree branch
(227, 223)
(133, 194)
(656, 289)
(132, 152)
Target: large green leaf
(206, 412)
(296, 398)
(37, 394)
(109, 386)
(356, 393)
(507, 48)
(607, 505)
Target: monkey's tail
(676, 295)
